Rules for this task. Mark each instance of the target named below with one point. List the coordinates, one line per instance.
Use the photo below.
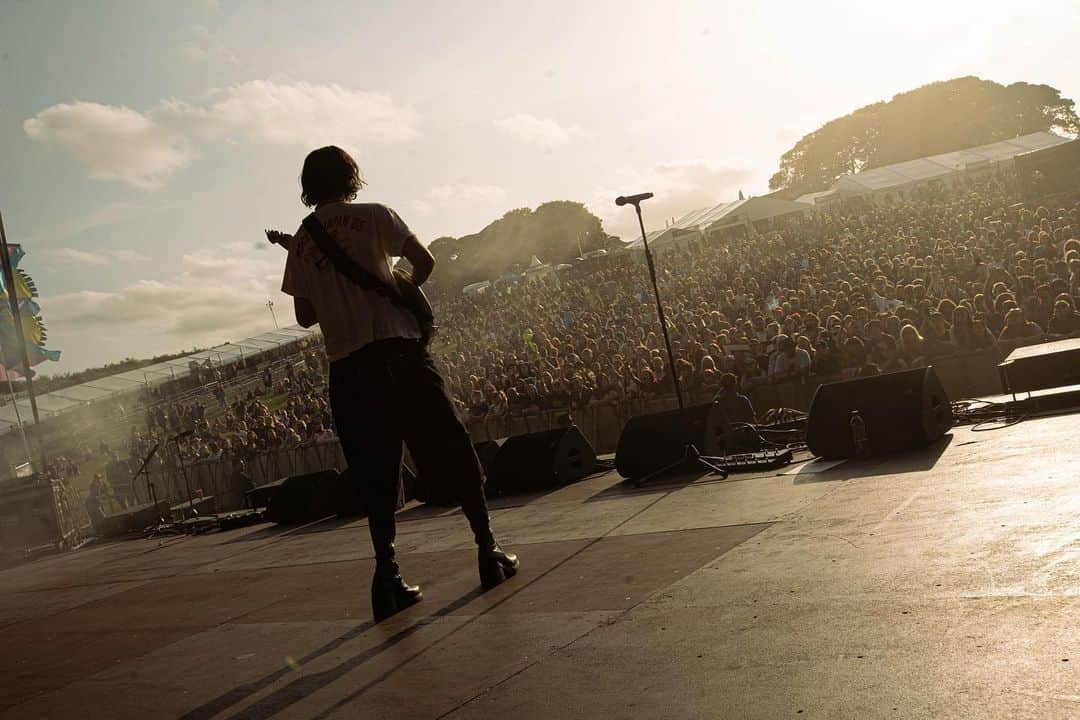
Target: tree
(555, 232)
(936, 118)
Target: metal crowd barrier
(966, 375)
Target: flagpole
(13, 300)
(18, 417)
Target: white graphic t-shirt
(351, 317)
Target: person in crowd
(967, 334)
(1018, 327)
(1065, 321)
(910, 348)
(936, 338)
(94, 510)
(790, 362)
(100, 498)
(734, 410)
(855, 357)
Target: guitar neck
(276, 237)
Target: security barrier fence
(963, 376)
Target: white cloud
(115, 143)
(127, 256)
(204, 45)
(220, 295)
(678, 188)
(194, 52)
(456, 195)
(114, 213)
(532, 130)
(72, 255)
(297, 114)
(144, 148)
(95, 257)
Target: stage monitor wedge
(654, 441)
(541, 461)
(1042, 367)
(311, 496)
(901, 410)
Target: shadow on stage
(920, 460)
(311, 682)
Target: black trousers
(388, 392)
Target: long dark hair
(329, 174)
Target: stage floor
(942, 583)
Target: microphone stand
(175, 440)
(691, 457)
(150, 494)
(182, 525)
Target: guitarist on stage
(384, 387)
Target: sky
(145, 145)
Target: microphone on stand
(691, 455)
(632, 199)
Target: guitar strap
(349, 267)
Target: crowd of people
(859, 289)
(287, 408)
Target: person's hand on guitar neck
(406, 284)
(418, 256)
(276, 237)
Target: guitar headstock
(276, 237)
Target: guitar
(406, 293)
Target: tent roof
(652, 236)
(894, 175)
(811, 198)
(941, 165)
(762, 208)
(58, 401)
(483, 284)
(752, 209)
(535, 265)
(705, 216)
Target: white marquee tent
(946, 168)
(537, 269)
(730, 214)
(77, 396)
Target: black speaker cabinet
(27, 515)
(1042, 366)
(308, 497)
(901, 410)
(260, 495)
(133, 519)
(540, 461)
(651, 442)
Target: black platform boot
(390, 594)
(495, 565)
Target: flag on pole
(33, 327)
